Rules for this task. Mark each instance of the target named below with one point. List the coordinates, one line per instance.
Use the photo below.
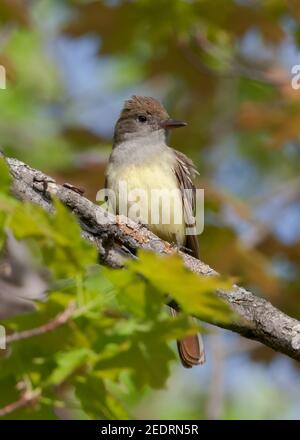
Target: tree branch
(28, 398)
(117, 239)
(50, 326)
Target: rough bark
(116, 238)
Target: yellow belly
(153, 197)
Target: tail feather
(190, 349)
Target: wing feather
(185, 171)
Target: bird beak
(172, 123)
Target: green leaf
(144, 348)
(134, 294)
(97, 401)
(64, 250)
(195, 294)
(68, 362)
(29, 221)
(5, 177)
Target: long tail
(190, 349)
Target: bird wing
(185, 171)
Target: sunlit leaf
(194, 293)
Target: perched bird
(142, 159)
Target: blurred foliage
(224, 66)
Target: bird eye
(142, 118)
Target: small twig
(56, 322)
(29, 397)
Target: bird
(142, 158)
